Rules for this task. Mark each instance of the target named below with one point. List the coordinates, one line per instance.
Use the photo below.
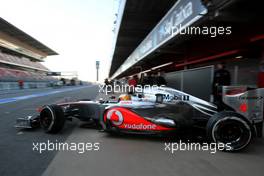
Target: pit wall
(27, 85)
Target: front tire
(231, 129)
(52, 119)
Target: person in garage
(133, 83)
(144, 79)
(160, 79)
(221, 78)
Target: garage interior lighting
(146, 71)
(163, 65)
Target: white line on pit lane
(14, 99)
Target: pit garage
(188, 36)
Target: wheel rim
(46, 118)
(232, 130)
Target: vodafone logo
(115, 117)
(140, 126)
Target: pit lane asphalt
(16, 155)
(118, 155)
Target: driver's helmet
(125, 97)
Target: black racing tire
(229, 128)
(52, 119)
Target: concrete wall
(27, 85)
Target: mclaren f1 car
(163, 110)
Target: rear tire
(52, 119)
(229, 128)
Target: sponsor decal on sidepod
(126, 119)
(117, 119)
(115, 116)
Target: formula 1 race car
(164, 110)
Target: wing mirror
(159, 98)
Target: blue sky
(79, 30)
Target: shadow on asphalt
(254, 148)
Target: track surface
(118, 155)
(16, 154)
